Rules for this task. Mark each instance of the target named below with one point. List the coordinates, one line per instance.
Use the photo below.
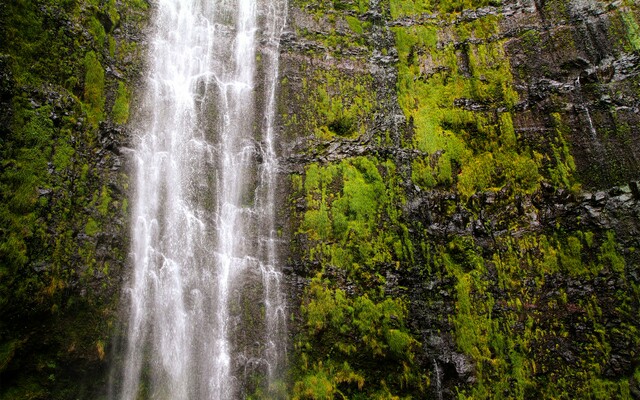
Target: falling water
(274, 301)
(438, 372)
(203, 231)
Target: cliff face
(67, 73)
(463, 198)
(459, 197)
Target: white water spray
(203, 211)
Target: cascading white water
(203, 213)
(273, 296)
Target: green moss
(561, 172)
(48, 173)
(112, 12)
(63, 156)
(633, 30)
(556, 10)
(316, 385)
(92, 227)
(401, 8)
(476, 175)
(339, 104)
(97, 30)
(610, 256)
(330, 313)
(423, 174)
(353, 225)
(94, 87)
(323, 7)
(518, 331)
(530, 38)
(140, 4)
(349, 219)
(473, 149)
(354, 24)
(120, 110)
(459, 5)
(112, 47)
(104, 201)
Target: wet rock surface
(64, 191)
(575, 73)
(549, 274)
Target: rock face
(67, 71)
(463, 198)
(459, 196)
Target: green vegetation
(345, 26)
(402, 8)
(120, 110)
(633, 30)
(520, 335)
(525, 300)
(356, 333)
(354, 24)
(448, 9)
(562, 174)
(328, 6)
(539, 308)
(56, 293)
(357, 227)
(355, 231)
(458, 99)
(94, 87)
(334, 104)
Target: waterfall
(205, 281)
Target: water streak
(203, 228)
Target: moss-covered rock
(459, 196)
(63, 240)
(502, 220)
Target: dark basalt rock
(571, 76)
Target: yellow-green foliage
(94, 87)
(112, 11)
(23, 162)
(563, 165)
(517, 332)
(353, 225)
(354, 24)
(97, 30)
(336, 104)
(401, 8)
(342, 24)
(475, 149)
(316, 385)
(120, 110)
(422, 173)
(354, 332)
(448, 9)
(349, 221)
(330, 6)
(455, 6)
(476, 175)
(92, 227)
(633, 30)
